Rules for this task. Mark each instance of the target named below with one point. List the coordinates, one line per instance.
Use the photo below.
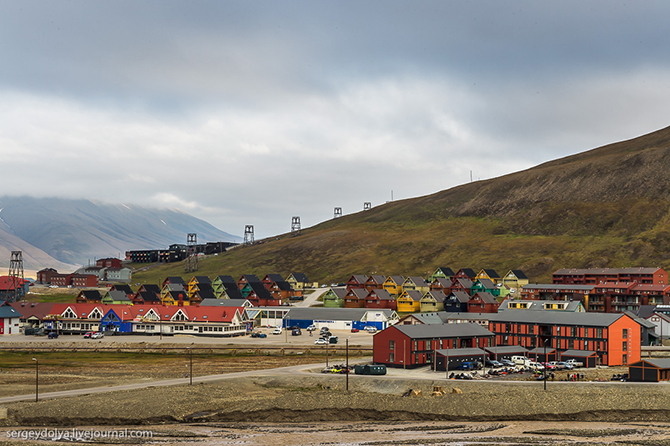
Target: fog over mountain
(55, 231)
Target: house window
(573, 331)
(625, 333)
(391, 345)
(508, 327)
(624, 359)
(531, 329)
(624, 347)
(571, 344)
(391, 356)
(416, 345)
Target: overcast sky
(252, 112)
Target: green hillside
(605, 207)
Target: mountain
(76, 231)
(607, 207)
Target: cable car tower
(16, 279)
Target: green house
(442, 272)
(334, 298)
(116, 297)
(485, 286)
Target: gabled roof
(232, 291)
(249, 278)
(376, 278)
(358, 293)
(338, 292)
(259, 290)
(150, 287)
(469, 272)
(148, 296)
(438, 295)
(443, 281)
(8, 311)
(381, 294)
(117, 296)
(300, 277)
(456, 352)
(465, 283)
(174, 287)
(205, 294)
(461, 296)
(358, 278)
(416, 280)
(273, 278)
(30, 309)
(491, 273)
(226, 279)
(445, 270)
(487, 298)
(10, 284)
(200, 280)
(412, 294)
(125, 288)
(398, 280)
(91, 295)
(174, 279)
(485, 283)
(519, 274)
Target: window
(599, 333)
(624, 347)
(571, 344)
(573, 331)
(391, 345)
(625, 333)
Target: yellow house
(171, 292)
(409, 302)
(393, 284)
(432, 301)
(416, 283)
(490, 274)
(198, 283)
(515, 279)
(298, 281)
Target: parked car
(277, 331)
(574, 363)
(52, 335)
(332, 340)
(97, 335)
(311, 328)
(493, 363)
(355, 330)
(370, 329)
(320, 341)
(565, 366)
(257, 334)
(507, 363)
(557, 365)
(88, 335)
(466, 366)
(296, 332)
(535, 365)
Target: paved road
(311, 299)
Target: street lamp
(190, 374)
(37, 378)
(347, 372)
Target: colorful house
(355, 298)
(489, 274)
(298, 281)
(220, 285)
(485, 286)
(456, 302)
(356, 281)
(432, 301)
(375, 282)
(393, 284)
(483, 303)
(442, 272)
(334, 298)
(416, 283)
(377, 298)
(114, 297)
(515, 279)
(409, 301)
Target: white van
(521, 360)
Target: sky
(254, 112)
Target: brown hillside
(605, 207)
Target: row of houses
(416, 340)
(105, 270)
(487, 279)
(176, 252)
(272, 290)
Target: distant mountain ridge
(606, 207)
(77, 231)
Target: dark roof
(205, 294)
(397, 279)
(486, 283)
(332, 314)
(233, 291)
(382, 294)
(454, 352)
(519, 274)
(202, 279)
(414, 295)
(465, 283)
(226, 279)
(91, 295)
(153, 288)
(284, 286)
(446, 271)
(491, 273)
(376, 278)
(260, 290)
(338, 292)
(438, 295)
(644, 311)
(175, 279)
(300, 277)
(578, 353)
(122, 287)
(645, 323)
(506, 349)
(558, 287)
(359, 293)
(250, 278)
(274, 277)
(442, 331)
(358, 278)
(661, 363)
(204, 287)
(148, 296)
(469, 272)
(446, 283)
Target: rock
(456, 390)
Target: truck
(574, 363)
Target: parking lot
(285, 339)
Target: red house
(357, 281)
(380, 298)
(355, 298)
(483, 303)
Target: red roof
(8, 283)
